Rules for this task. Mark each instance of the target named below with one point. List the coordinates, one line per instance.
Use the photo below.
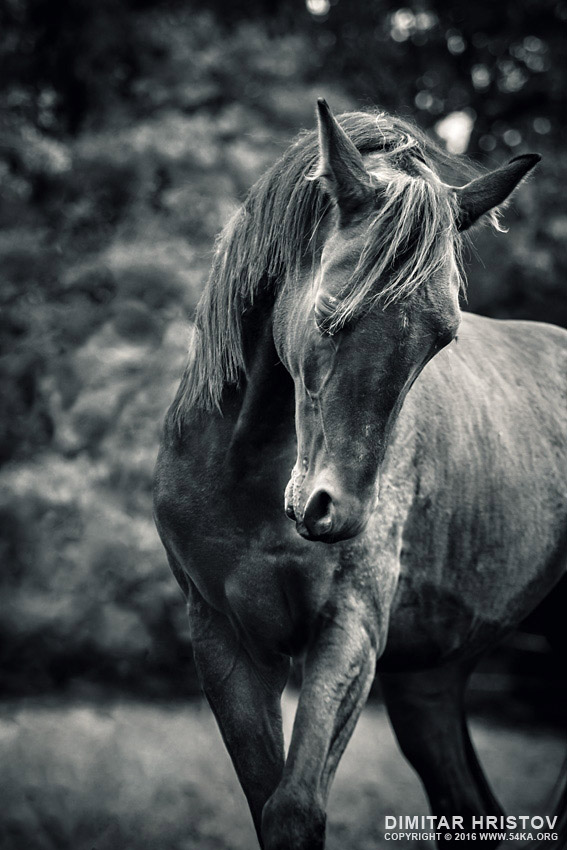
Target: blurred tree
(68, 61)
(503, 63)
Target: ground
(134, 775)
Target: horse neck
(263, 408)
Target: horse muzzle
(328, 515)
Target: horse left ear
(340, 167)
(486, 192)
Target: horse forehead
(343, 247)
(385, 167)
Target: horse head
(356, 327)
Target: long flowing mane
(273, 235)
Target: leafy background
(130, 131)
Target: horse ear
(340, 167)
(486, 192)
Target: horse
(424, 516)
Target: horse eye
(322, 322)
(324, 308)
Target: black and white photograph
(283, 425)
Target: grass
(135, 775)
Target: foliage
(500, 63)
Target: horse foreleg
(338, 672)
(244, 693)
(427, 712)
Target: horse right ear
(340, 168)
(483, 194)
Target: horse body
(484, 530)
(445, 501)
(450, 538)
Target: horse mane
(272, 236)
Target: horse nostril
(318, 516)
(288, 499)
(289, 512)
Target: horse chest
(277, 587)
(274, 587)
